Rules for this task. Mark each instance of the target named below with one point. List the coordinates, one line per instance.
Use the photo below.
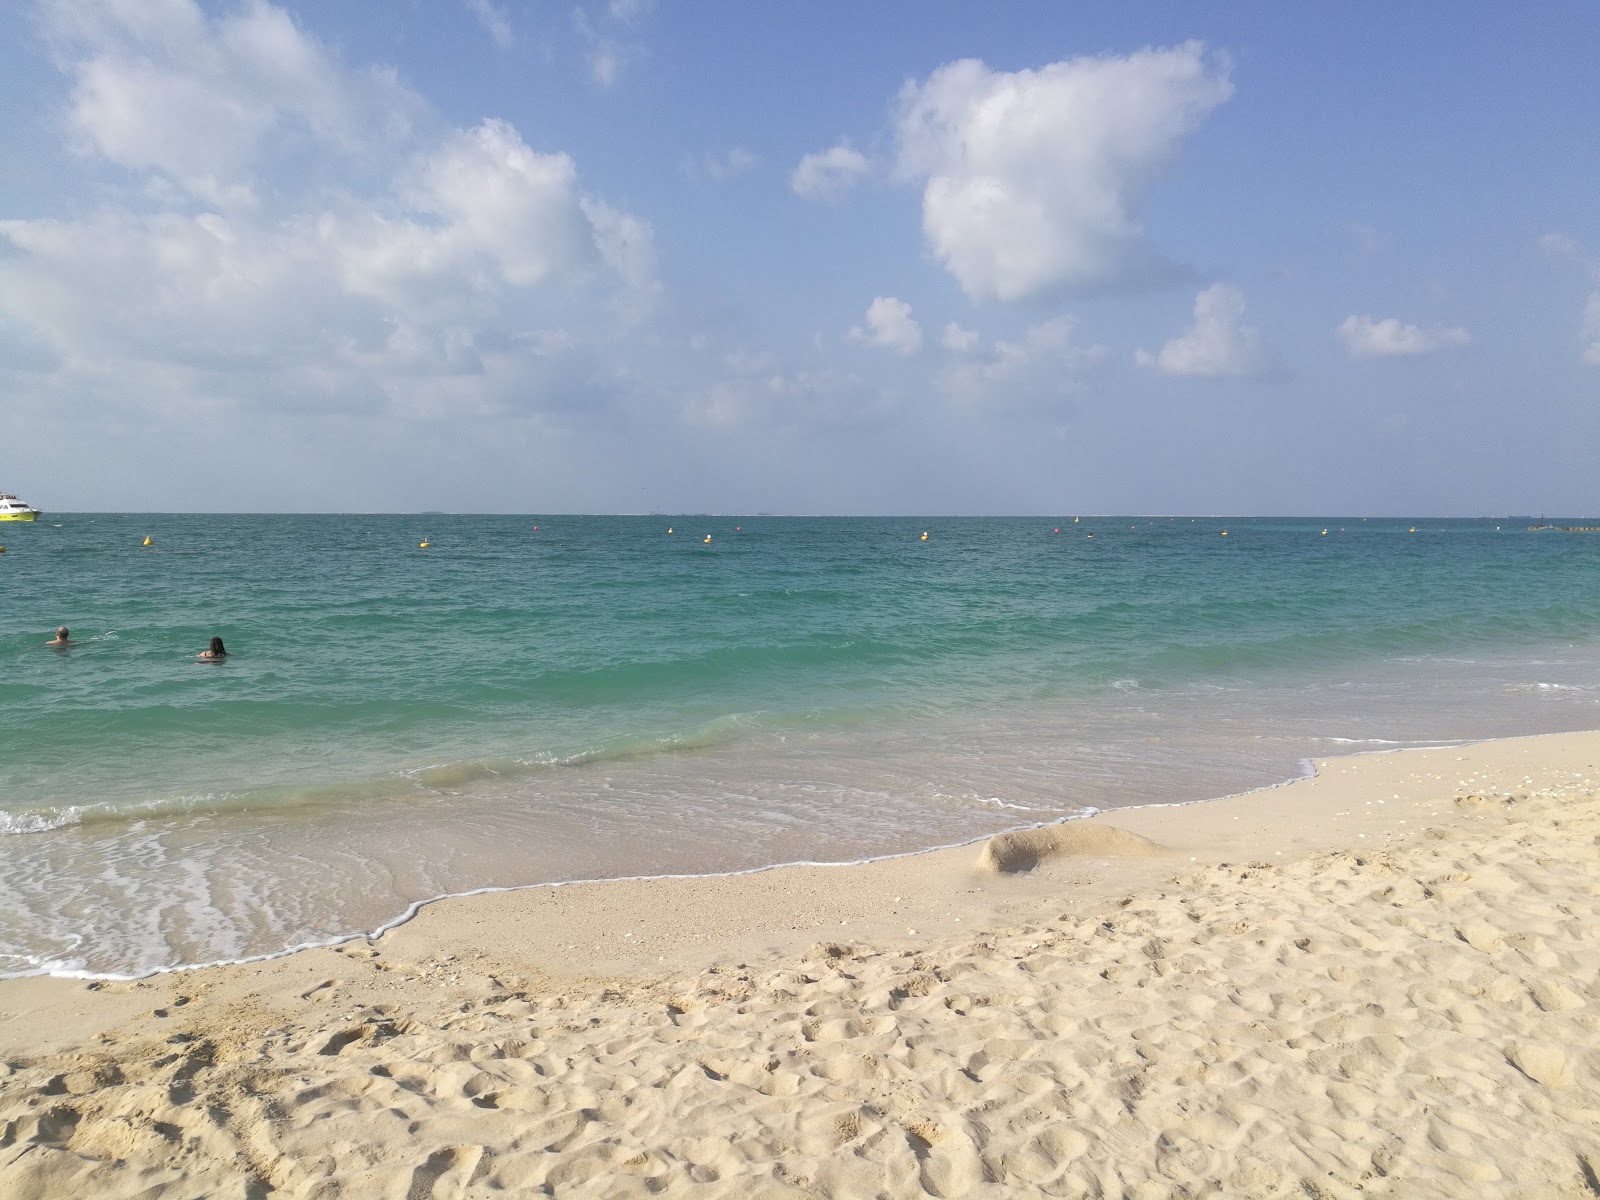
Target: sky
(736, 256)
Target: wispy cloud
(1561, 245)
(1367, 238)
(757, 390)
(608, 33)
(1044, 365)
(737, 161)
(1589, 330)
(1364, 337)
(829, 174)
(494, 21)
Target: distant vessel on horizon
(12, 509)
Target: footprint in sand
(445, 1174)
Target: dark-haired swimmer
(213, 653)
(61, 638)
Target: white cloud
(494, 21)
(889, 325)
(502, 203)
(829, 174)
(341, 283)
(1035, 180)
(958, 340)
(1364, 337)
(1218, 345)
(161, 88)
(1044, 365)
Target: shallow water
(596, 698)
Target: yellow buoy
(2, 549)
(924, 536)
(1413, 529)
(423, 544)
(1324, 533)
(1074, 520)
(708, 538)
(1224, 533)
(669, 528)
(148, 541)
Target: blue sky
(480, 255)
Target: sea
(538, 700)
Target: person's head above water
(61, 638)
(61, 632)
(217, 649)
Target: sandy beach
(1382, 981)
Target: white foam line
(1423, 744)
(416, 906)
(1308, 771)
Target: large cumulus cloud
(276, 224)
(1034, 181)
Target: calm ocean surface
(597, 698)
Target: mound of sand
(1027, 848)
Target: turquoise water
(540, 699)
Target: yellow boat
(12, 509)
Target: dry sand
(1384, 981)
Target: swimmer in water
(212, 653)
(61, 638)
